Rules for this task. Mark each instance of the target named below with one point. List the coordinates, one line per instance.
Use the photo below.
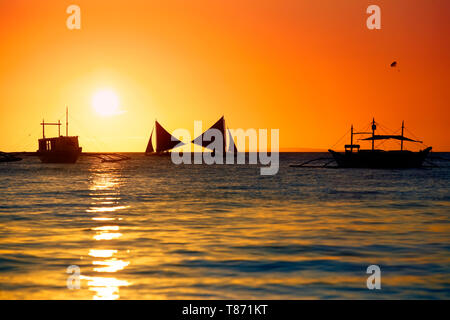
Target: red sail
(164, 140)
(150, 145)
(219, 125)
(231, 144)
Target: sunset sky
(310, 68)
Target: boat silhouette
(222, 128)
(354, 157)
(164, 141)
(61, 149)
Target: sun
(106, 103)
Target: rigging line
(389, 129)
(415, 137)
(383, 130)
(366, 128)
(380, 144)
(394, 141)
(340, 139)
(410, 132)
(385, 127)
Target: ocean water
(148, 229)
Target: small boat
(354, 157)
(8, 157)
(61, 149)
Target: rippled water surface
(147, 229)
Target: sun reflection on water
(105, 196)
(106, 288)
(107, 228)
(107, 236)
(98, 253)
(105, 219)
(112, 265)
(106, 209)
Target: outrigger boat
(354, 157)
(61, 149)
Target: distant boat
(164, 141)
(354, 157)
(8, 157)
(221, 126)
(61, 149)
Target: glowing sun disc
(106, 103)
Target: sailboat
(164, 141)
(354, 157)
(221, 126)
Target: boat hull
(380, 159)
(67, 156)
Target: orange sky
(309, 68)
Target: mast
(67, 121)
(374, 127)
(401, 141)
(43, 124)
(351, 139)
